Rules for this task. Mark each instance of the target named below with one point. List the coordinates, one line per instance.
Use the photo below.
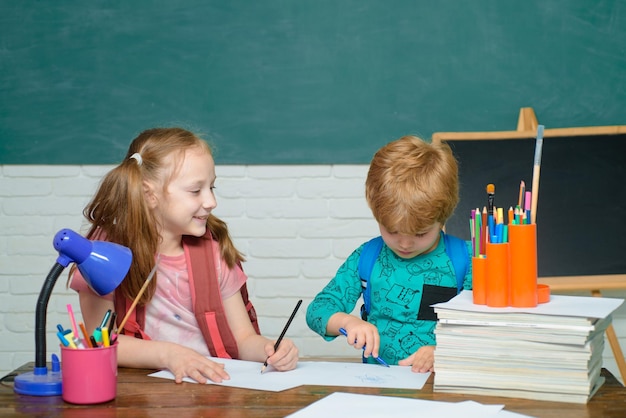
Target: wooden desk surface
(141, 396)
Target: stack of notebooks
(552, 352)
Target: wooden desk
(141, 396)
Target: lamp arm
(40, 314)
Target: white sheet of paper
(365, 406)
(577, 306)
(247, 374)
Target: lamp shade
(103, 264)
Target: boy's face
(409, 246)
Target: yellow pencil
(105, 336)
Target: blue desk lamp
(103, 265)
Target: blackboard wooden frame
(526, 130)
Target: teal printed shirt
(402, 292)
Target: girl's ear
(150, 195)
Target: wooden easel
(526, 128)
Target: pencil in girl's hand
(282, 334)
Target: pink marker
(70, 311)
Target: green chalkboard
(297, 82)
(581, 205)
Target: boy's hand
(422, 361)
(362, 334)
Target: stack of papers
(552, 352)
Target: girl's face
(188, 200)
(409, 246)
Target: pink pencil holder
(89, 375)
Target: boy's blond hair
(412, 184)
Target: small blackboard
(581, 211)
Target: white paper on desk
(243, 374)
(576, 306)
(359, 375)
(246, 374)
(364, 406)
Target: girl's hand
(422, 361)
(185, 362)
(284, 358)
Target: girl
(158, 202)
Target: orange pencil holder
(523, 246)
(479, 280)
(498, 275)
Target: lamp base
(40, 382)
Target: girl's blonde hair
(120, 212)
(412, 184)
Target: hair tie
(137, 156)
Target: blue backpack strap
(368, 257)
(457, 251)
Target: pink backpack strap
(207, 298)
(250, 308)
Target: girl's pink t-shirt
(169, 315)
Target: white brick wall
(295, 224)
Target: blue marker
(378, 359)
(63, 340)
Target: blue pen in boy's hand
(378, 359)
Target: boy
(412, 188)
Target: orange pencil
(85, 335)
(511, 218)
